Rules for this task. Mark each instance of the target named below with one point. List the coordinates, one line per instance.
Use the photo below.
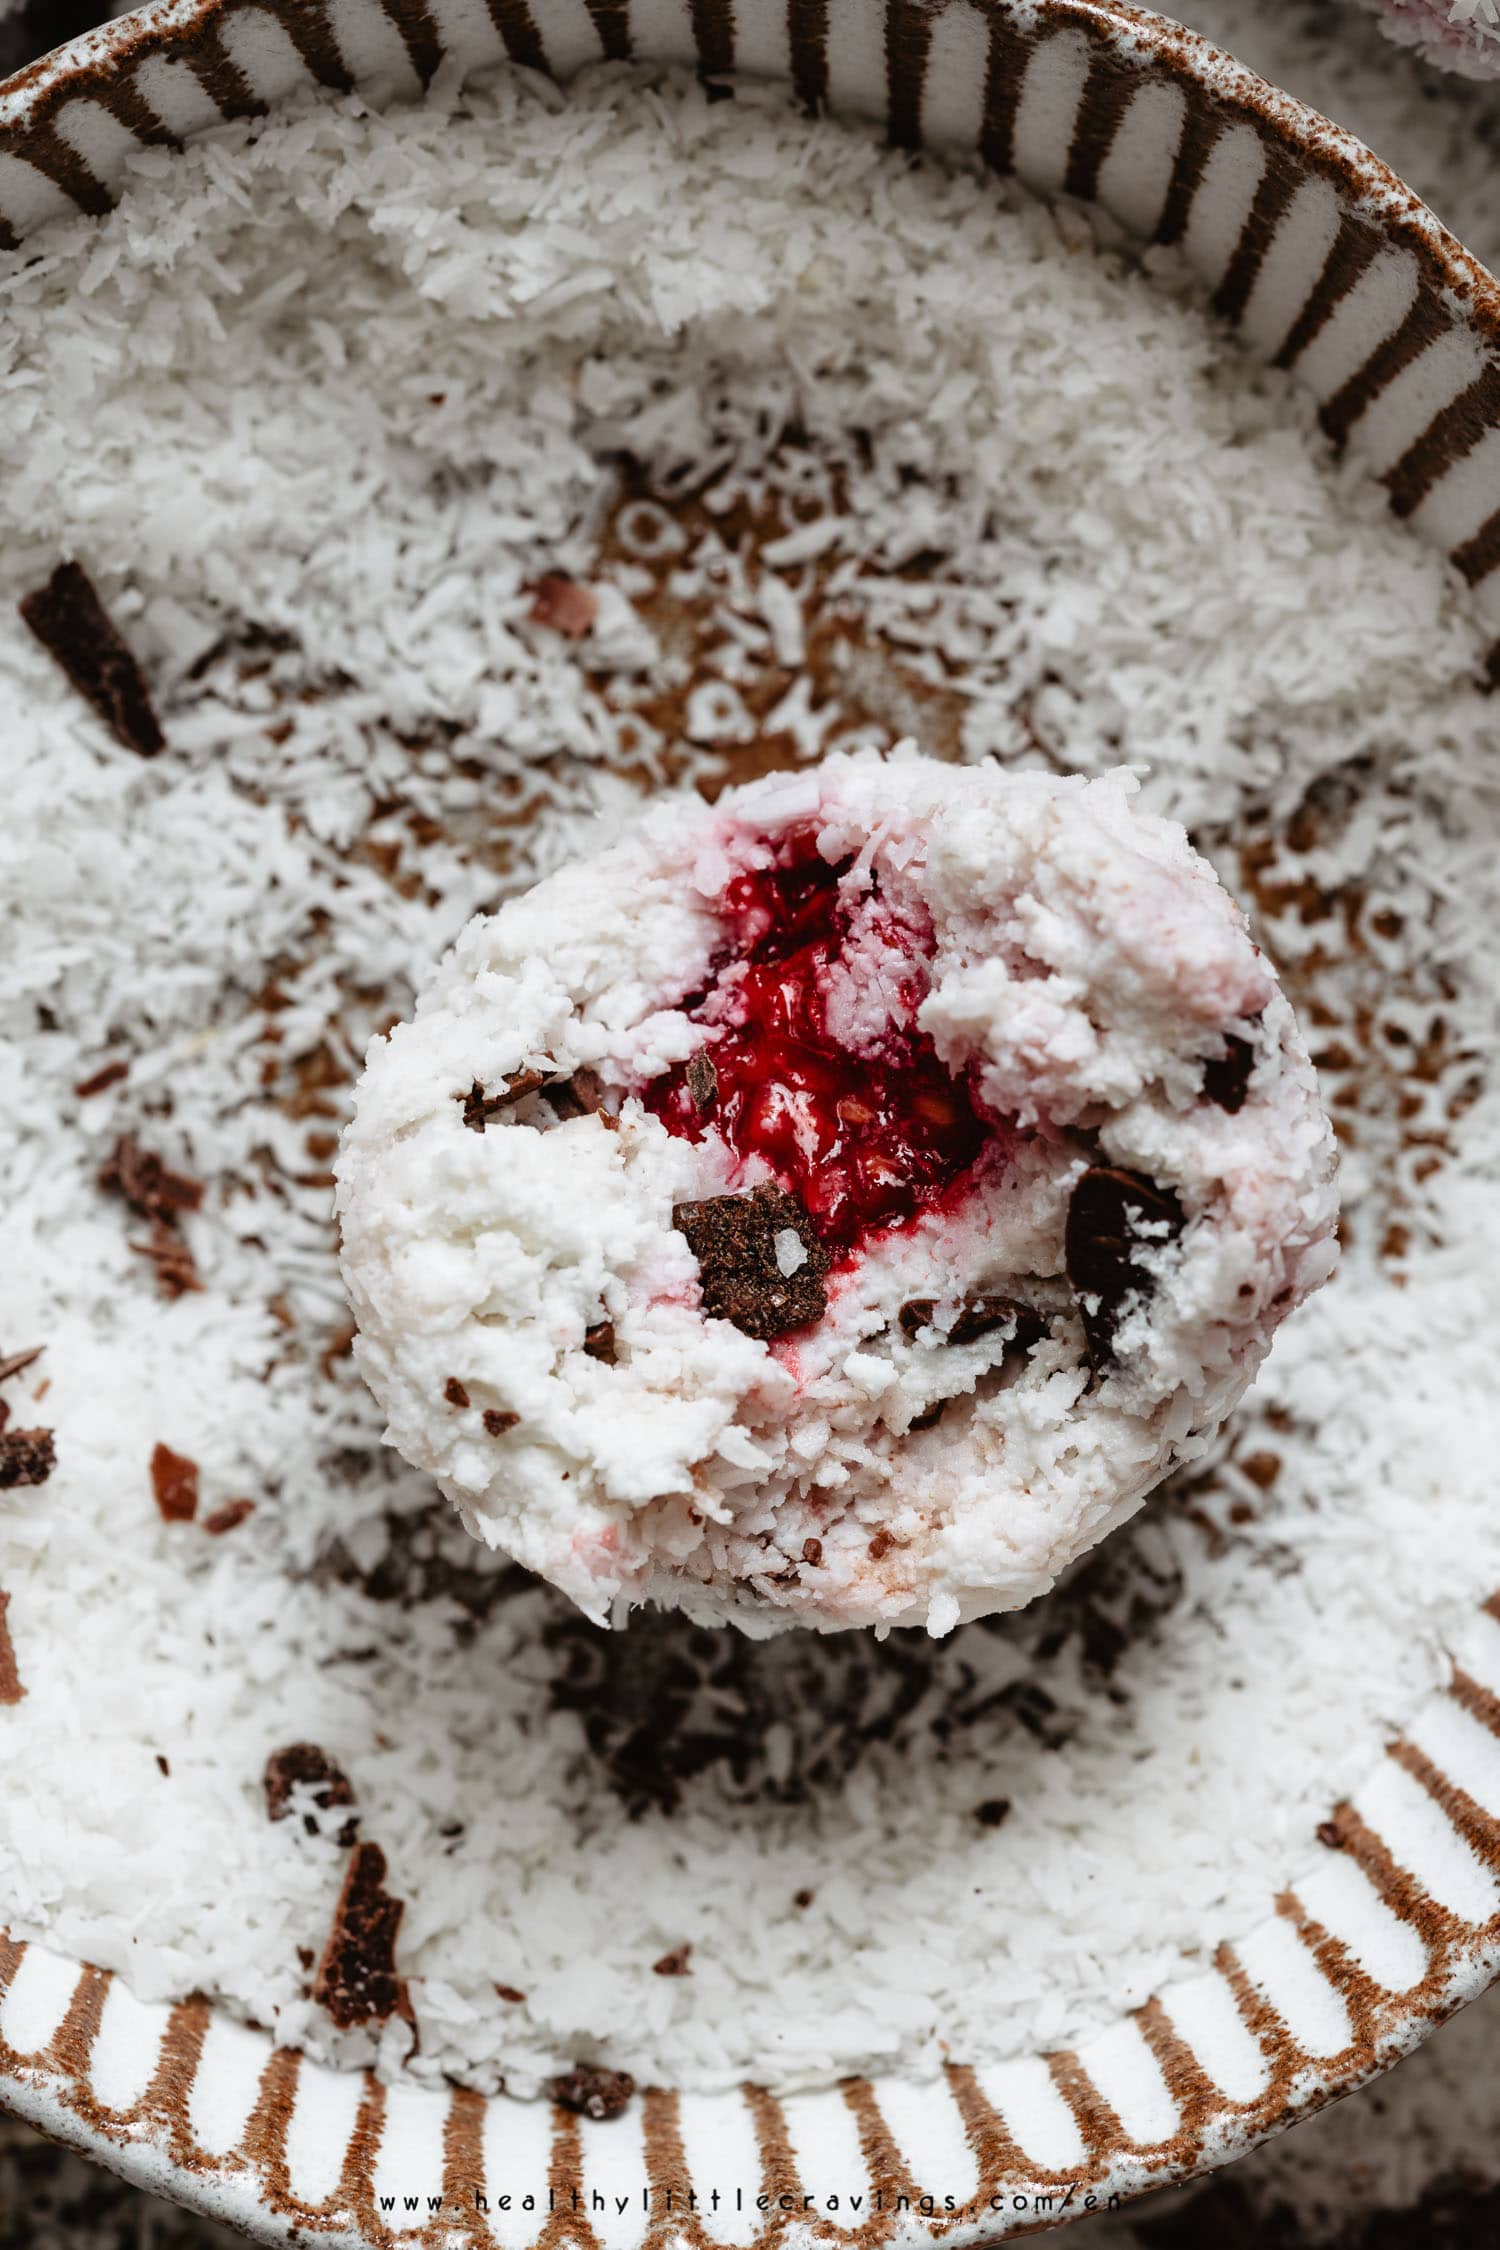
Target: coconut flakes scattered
(853, 477)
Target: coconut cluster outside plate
(839, 1206)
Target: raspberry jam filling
(866, 1142)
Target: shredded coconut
(319, 408)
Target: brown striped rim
(253, 2183)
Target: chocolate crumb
(480, 1107)
(803, 1899)
(1261, 1468)
(357, 1980)
(1226, 1080)
(454, 1392)
(102, 1080)
(992, 1812)
(77, 631)
(812, 1552)
(173, 1262)
(703, 1082)
(509, 1992)
(590, 2091)
(1328, 1832)
(306, 1956)
(564, 606)
(147, 1184)
(1106, 1213)
(174, 1480)
(733, 1238)
(497, 1421)
(975, 1317)
(27, 1457)
(162, 1767)
(228, 1518)
(677, 1963)
(882, 1543)
(599, 1341)
(305, 1763)
(16, 1363)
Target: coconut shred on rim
(893, 1171)
(334, 409)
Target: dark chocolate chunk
(992, 1812)
(11, 1690)
(1226, 1080)
(703, 1081)
(976, 1317)
(677, 1963)
(174, 1480)
(454, 1392)
(304, 1762)
(1108, 1217)
(74, 627)
(357, 1980)
(591, 2091)
(733, 1238)
(582, 1095)
(599, 1341)
(497, 1421)
(228, 1518)
(162, 1767)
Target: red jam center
(863, 1144)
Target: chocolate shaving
(174, 1480)
(975, 1317)
(454, 1392)
(147, 1184)
(357, 1981)
(1107, 1213)
(77, 631)
(480, 1107)
(677, 1963)
(733, 1238)
(228, 1518)
(599, 1341)
(564, 606)
(11, 1690)
(16, 1363)
(27, 1457)
(172, 1261)
(102, 1080)
(1226, 1080)
(305, 1763)
(497, 1420)
(703, 1082)
(590, 2091)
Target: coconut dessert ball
(837, 1206)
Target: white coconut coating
(531, 1316)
